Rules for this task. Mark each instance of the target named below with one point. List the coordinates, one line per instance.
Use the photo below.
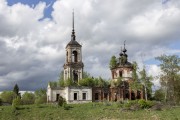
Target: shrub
(7, 96)
(128, 103)
(65, 106)
(28, 98)
(61, 101)
(40, 100)
(145, 104)
(40, 96)
(16, 102)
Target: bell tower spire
(73, 67)
(73, 36)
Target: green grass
(90, 111)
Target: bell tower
(73, 67)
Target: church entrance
(57, 97)
(133, 96)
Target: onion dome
(121, 53)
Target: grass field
(90, 111)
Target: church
(73, 70)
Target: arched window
(75, 56)
(75, 76)
(120, 73)
(67, 56)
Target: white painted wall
(68, 94)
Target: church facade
(73, 70)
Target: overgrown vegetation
(16, 102)
(28, 98)
(89, 111)
(7, 96)
(40, 96)
(113, 62)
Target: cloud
(32, 47)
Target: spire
(124, 50)
(73, 37)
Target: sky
(34, 33)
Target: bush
(61, 101)
(65, 106)
(7, 96)
(40, 100)
(28, 98)
(128, 104)
(40, 96)
(145, 104)
(16, 102)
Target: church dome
(121, 54)
(124, 50)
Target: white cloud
(32, 50)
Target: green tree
(146, 82)
(86, 75)
(61, 78)
(7, 96)
(28, 98)
(169, 78)
(68, 82)
(16, 90)
(113, 62)
(177, 90)
(53, 84)
(40, 96)
(86, 82)
(135, 85)
(61, 83)
(117, 83)
(16, 102)
(159, 95)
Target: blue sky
(32, 48)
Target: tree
(16, 90)
(61, 78)
(117, 83)
(113, 62)
(68, 82)
(159, 95)
(61, 83)
(7, 96)
(145, 80)
(40, 96)
(86, 75)
(28, 98)
(53, 84)
(86, 82)
(16, 102)
(135, 85)
(169, 78)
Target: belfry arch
(75, 56)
